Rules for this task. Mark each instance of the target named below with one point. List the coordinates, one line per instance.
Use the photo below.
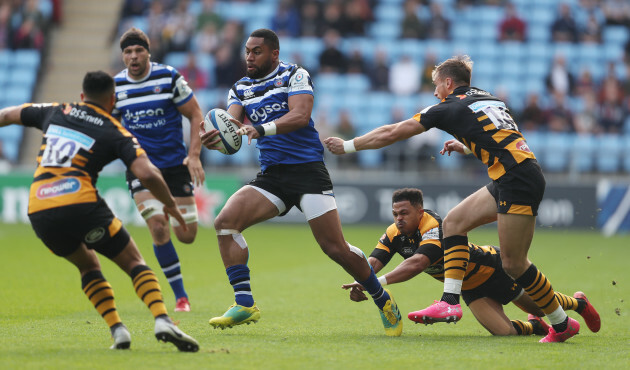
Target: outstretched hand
(453, 145)
(356, 291)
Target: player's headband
(133, 40)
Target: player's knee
(187, 237)
(512, 266)
(160, 230)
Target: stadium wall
(605, 206)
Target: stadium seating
(511, 68)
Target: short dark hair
(269, 37)
(414, 196)
(98, 85)
(135, 36)
(459, 68)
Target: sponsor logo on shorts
(95, 235)
(57, 188)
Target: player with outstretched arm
(483, 126)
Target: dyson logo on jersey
(84, 116)
(262, 113)
(57, 188)
(136, 116)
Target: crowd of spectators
(24, 23)
(570, 103)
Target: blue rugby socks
(169, 262)
(375, 289)
(239, 278)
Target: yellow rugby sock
(101, 294)
(148, 289)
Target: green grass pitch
(307, 319)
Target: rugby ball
(230, 139)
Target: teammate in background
(277, 98)
(150, 101)
(71, 218)
(416, 235)
(485, 127)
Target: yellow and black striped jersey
(427, 240)
(79, 139)
(483, 123)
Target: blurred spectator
(331, 59)
(564, 28)
(617, 12)
(438, 27)
(559, 79)
(591, 32)
(28, 36)
(356, 63)
(585, 84)
(587, 119)
(311, 24)
(411, 26)
(179, 28)
(559, 117)
(209, 16)
(333, 19)
(611, 102)
(346, 130)
(133, 8)
(512, 27)
(6, 34)
(426, 80)
(379, 73)
(355, 18)
(196, 77)
(286, 21)
(226, 66)
(207, 40)
(30, 10)
(156, 23)
(404, 76)
(533, 117)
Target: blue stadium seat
(539, 51)
(446, 162)
(356, 83)
(388, 13)
(210, 98)
(613, 34)
(24, 77)
(538, 34)
(626, 153)
(5, 75)
(328, 83)
(6, 58)
(26, 58)
(608, 153)
(176, 59)
(537, 69)
(584, 148)
(17, 94)
(590, 53)
(384, 31)
(537, 142)
(557, 156)
(513, 51)
(613, 52)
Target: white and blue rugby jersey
(267, 99)
(148, 109)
